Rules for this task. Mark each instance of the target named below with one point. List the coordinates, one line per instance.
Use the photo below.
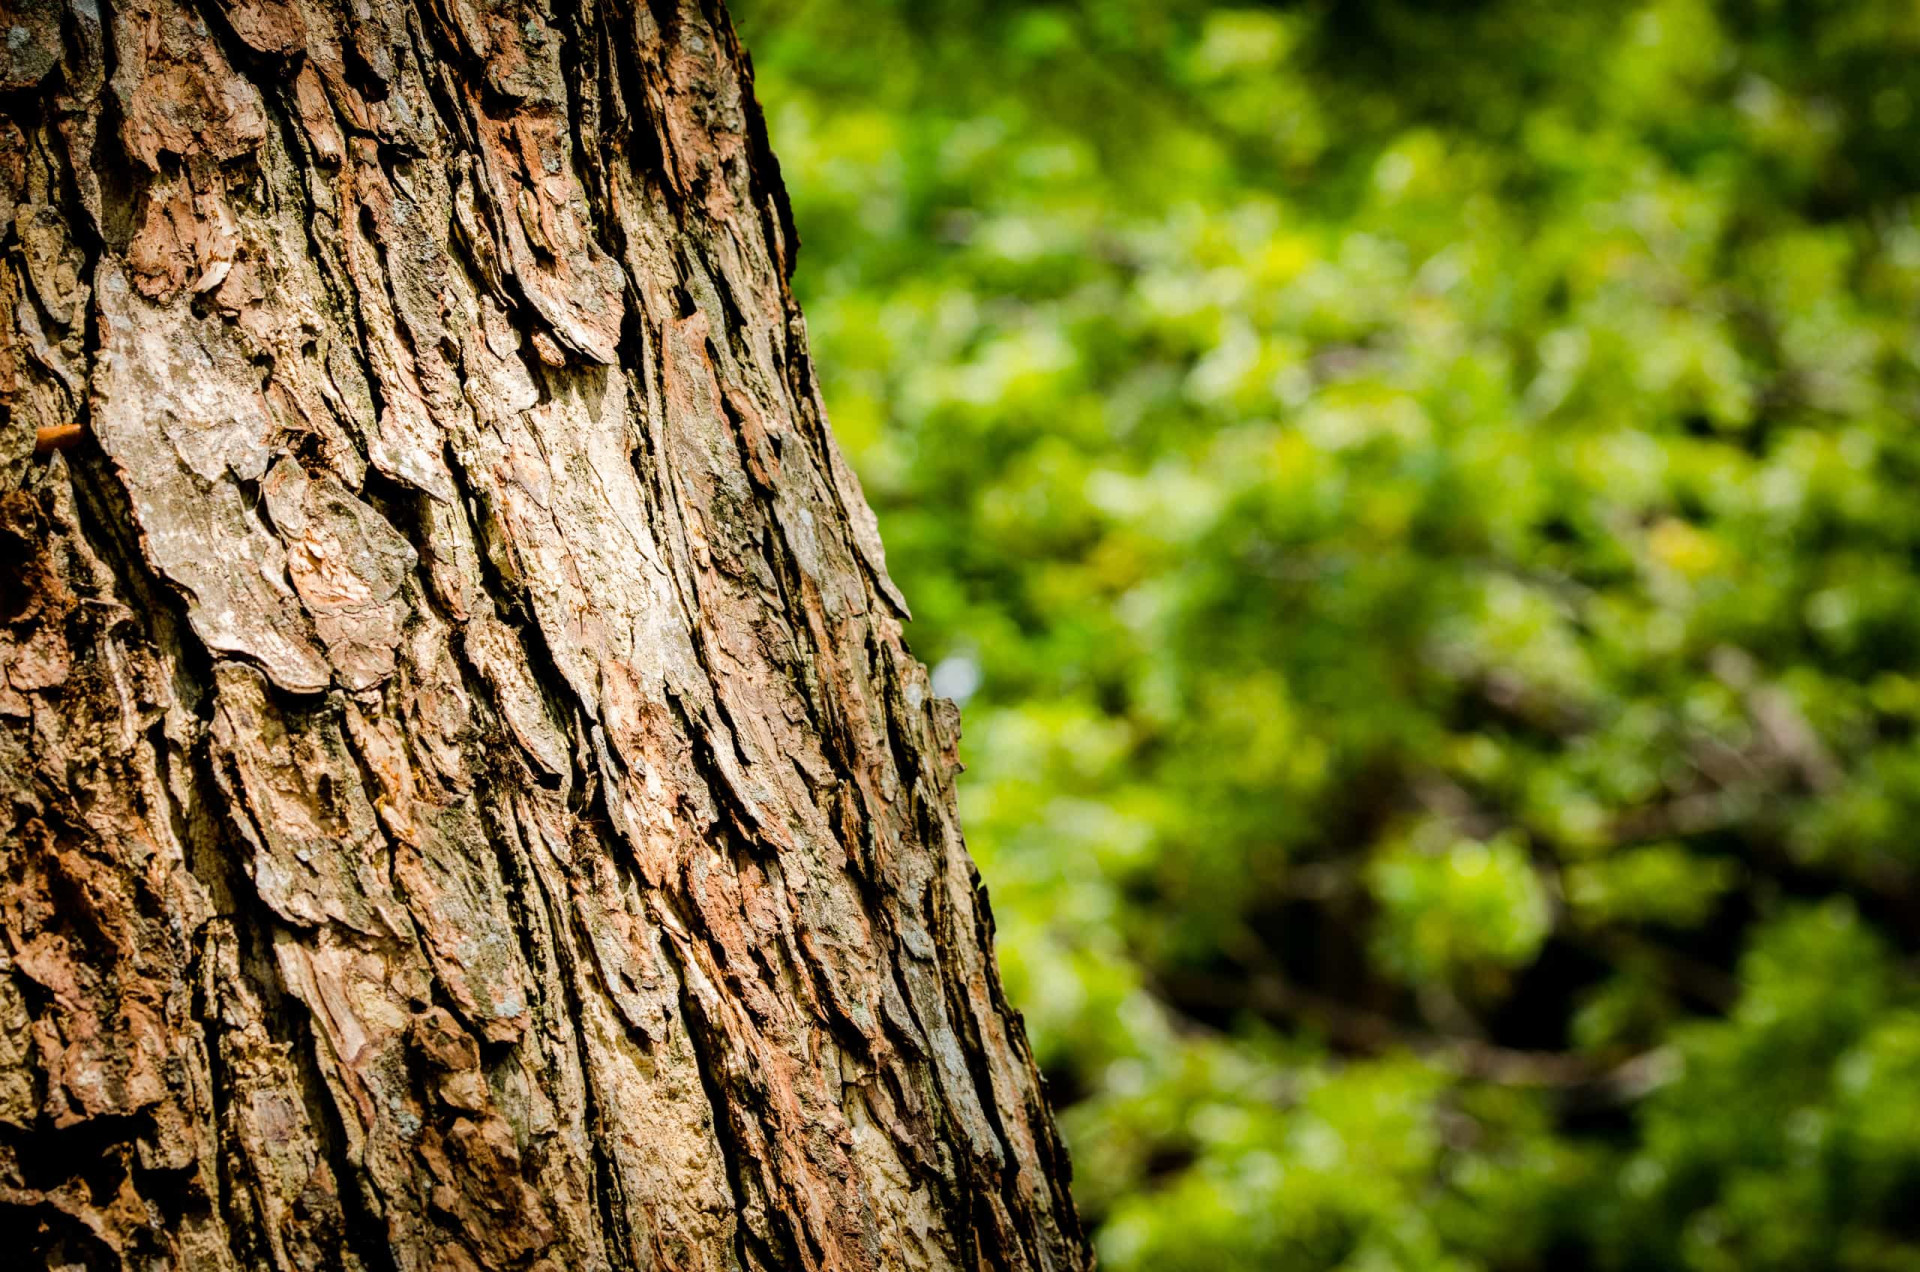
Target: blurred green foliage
(1422, 503)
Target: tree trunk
(468, 802)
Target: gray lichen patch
(178, 408)
(348, 565)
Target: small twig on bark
(59, 437)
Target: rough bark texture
(467, 803)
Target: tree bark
(468, 803)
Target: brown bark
(467, 800)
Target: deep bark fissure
(247, 1228)
(610, 1200)
(362, 1234)
(723, 1099)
